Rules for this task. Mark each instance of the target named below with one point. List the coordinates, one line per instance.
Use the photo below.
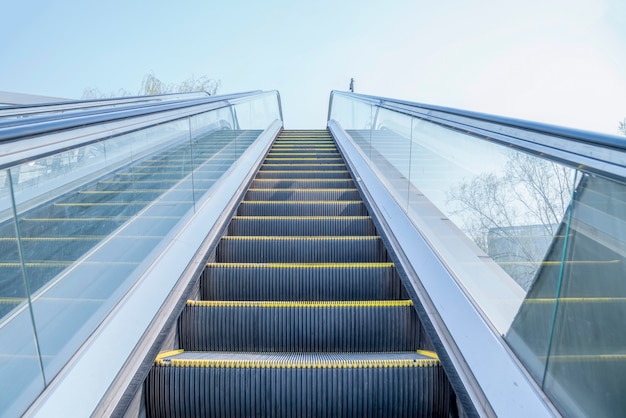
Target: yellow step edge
(428, 354)
(297, 165)
(303, 265)
(303, 218)
(138, 181)
(302, 180)
(573, 300)
(118, 203)
(11, 301)
(58, 264)
(170, 353)
(587, 357)
(305, 171)
(299, 238)
(101, 219)
(301, 202)
(300, 304)
(133, 191)
(558, 263)
(294, 364)
(83, 238)
(301, 190)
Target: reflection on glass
(91, 221)
(547, 271)
(20, 369)
(390, 149)
(508, 203)
(571, 321)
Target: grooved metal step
(270, 249)
(299, 385)
(297, 326)
(301, 225)
(302, 183)
(301, 195)
(304, 174)
(300, 281)
(301, 208)
(302, 313)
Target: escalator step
(298, 385)
(299, 208)
(339, 173)
(300, 282)
(302, 184)
(268, 249)
(303, 166)
(301, 225)
(302, 194)
(273, 326)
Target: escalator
(300, 311)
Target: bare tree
(514, 216)
(151, 85)
(621, 126)
(95, 93)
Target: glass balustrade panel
(20, 364)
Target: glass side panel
(20, 370)
(545, 269)
(91, 225)
(586, 366)
(92, 220)
(391, 151)
(506, 205)
(80, 257)
(258, 112)
(213, 148)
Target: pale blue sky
(556, 61)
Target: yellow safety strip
(322, 154)
(139, 181)
(82, 238)
(304, 171)
(121, 203)
(304, 150)
(299, 364)
(302, 202)
(11, 301)
(301, 190)
(299, 238)
(170, 353)
(44, 239)
(573, 300)
(101, 219)
(133, 191)
(302, 265)
(557, 263)
(56, 264)
(301, 304)
(302, 180)
(428, 353)
(302, 158)
(587, 357)
(303, 218)
(296, 165)
(147, 173)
